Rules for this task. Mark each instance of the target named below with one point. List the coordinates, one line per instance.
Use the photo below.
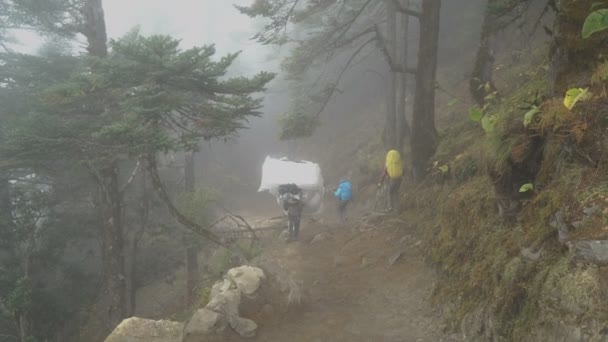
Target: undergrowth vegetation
(499, 249)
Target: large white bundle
(306, 175)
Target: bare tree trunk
(292, 148)
(144, 211)
(390, 128)
(191, 251)
(114, 284)
(113, 265)
(424, 134)
(23, 315)
(403, 128)
(189, 180)
(22, 327)
(481, 84)
(95, 28)
(192, 274)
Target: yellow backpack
(394, 164)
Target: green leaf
(488, 122)
(526, 187)
(453, 102)
(596, 21)
(475, 114)
(491, 96)
(444, 169)
(575, 95)
(530, 115)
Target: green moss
(573, 289)
(478, 254)
(512, 269)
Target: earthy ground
(350, 290)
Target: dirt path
(351, 292)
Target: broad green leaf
(444, 169)
(453, 102)
(596, 21)
(475, 114)
(488, 122)
(530, 115)
(575, 95)
(526, 187)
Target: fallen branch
(181, 218)
(238, 219)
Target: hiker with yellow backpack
(393, 169)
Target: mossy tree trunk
(573, 58)
(111, 200)
(480, 83)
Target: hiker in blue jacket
(344, 194)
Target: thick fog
(196, 22)
(236, 165)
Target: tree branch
(239, 220)
(181, 218)
(406, 11)
(133, 174)
(349, 24)
(391, 63)
(346, 66)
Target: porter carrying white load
(306, 175)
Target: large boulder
(136, 329)
(226, 303)
(243, 326)
(593, 251)
(205, 325)
(246, 278)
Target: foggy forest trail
(350, 290)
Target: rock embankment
(222, 314)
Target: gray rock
(243, 326)
(577, 224)
(594, 251)
(136, 329)
(529, 254)
(246, 278)
(393, 258)
(284, 235)
(472, 325)
(558, 222)
(204, 323)
(592, 210)
(318, 238)
(226, 303)
(222, 286)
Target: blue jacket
(344, 191)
